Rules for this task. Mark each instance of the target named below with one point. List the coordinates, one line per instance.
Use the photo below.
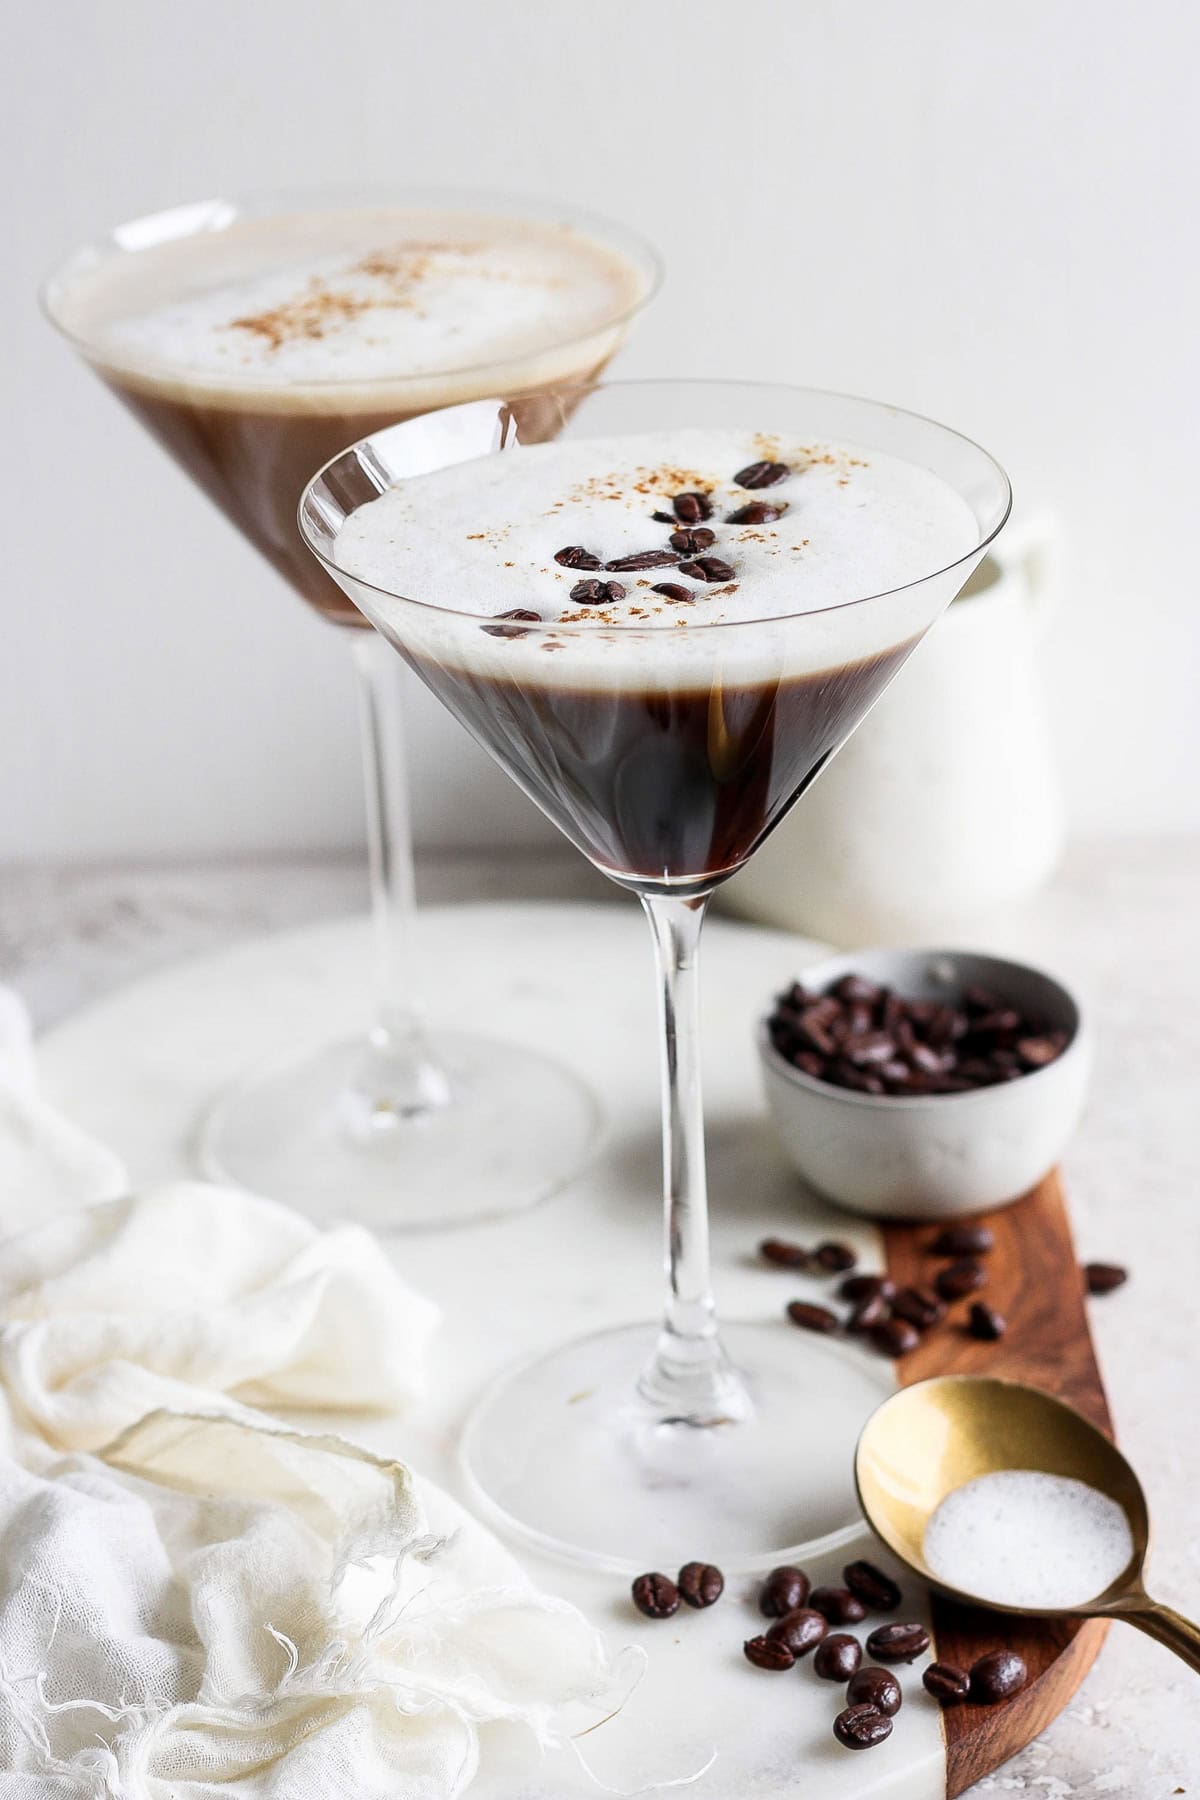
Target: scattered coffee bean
(919, 1307)
(963, 1240)
(785, 1255)
(838, 1605)
(810, 1317)
(861, 1727)
(876, 1687)
(641, 559)
(700, 1584)
(512, 631)
(761, 474)
(597, 593)
(689, 540)
(785, 1590)
(876, 1590)
(574, 556)
(767, 1653)
(985, 1323)
(707, 568)
(690, 509)
(898, 1643)
(866, 1287)
(656, 1596)
(757, 512)
(1103, 1278)
(834, 1257)
(947, 1684)
(997, 1676)
(801, 1630)
(959, 1278)
(837, 1657)
(674, 590)
(895, 1337)
(868, 1314)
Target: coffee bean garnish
(784, 1255)
(985, 1323)
(512, 631)
(641, 559)
(838, 1605)
(700, 1584)
(963, 1240)
(876, 1687)
(959, 1278)
(834, 1257)
(574, 556)
(673, 590)
(947, 1684)
(655, 1595)
(662, 518)
(810, 1317)
(895, 1337)
(690, 509)
(867, 1287)
(761, 474)
(861, 1727)
(597, 593)
(707, 568)
(875, 1589)
(767, 1653)
(801, 1630)
(757, 512)
(784, 1591)
(1103, 1278)
(997, 1676)
(690, 540)
(898, 1643)
(919, 1307)
(837, 1657)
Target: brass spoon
(933, 1437)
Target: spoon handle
(1169, 1628)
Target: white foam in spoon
(1023, 1538)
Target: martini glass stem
(689, 1378)
(397, 1077)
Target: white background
(987, 212)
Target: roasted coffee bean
(876, 1687)
(963, 1240)
(700, 1584)
(1102, 1278)
(674, 590)
(837, 1657)
(691, 539)
(757, 512)
(947, 1684)
(895, 1337)
(690, 509)
(1036, 1052)
(810, 1317)
(801, 1630)
(858, 987)
(874, 1047)
(785, 1255)
(761, 474)
(511, 631)
(919, 1307)
(767, 1653)
(574, 556)
(812, 1028)
(867, 1287)
(838, 1605)
(834, 1257)
(844, 1074)
(868, 1314)
(959, 1278)
(861, 1727)
(985, 1323)
(707, 568)
(785, 1590)
(898, 1643)
(662, 518)
(641, 559)
(998, 1676)
(656, 1596)
(982, 1000)
(876, 1590)
(597, 593)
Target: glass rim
(587, 628)
(344, 197)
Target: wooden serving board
(1034, 1281)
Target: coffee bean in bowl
(924, 1084)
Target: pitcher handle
(1035, 546)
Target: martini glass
(666, 756)
(398, 1126)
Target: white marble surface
(1119, 924)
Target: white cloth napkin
(197, 1603)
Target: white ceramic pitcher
(944, 807)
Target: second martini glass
(666, 755)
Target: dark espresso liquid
(660, 787)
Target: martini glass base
(566, 1456)
(495, 1129)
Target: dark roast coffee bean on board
(876, 1687)
(895, 1337)
(997, 1677)
(898, 1643)
(700, 1584)
(838, 1605)
(947, 1684)
(868, 1314)
(862, 1727)
(837, 1658)
(985, 1323)
(963, 1240)
(877, 1591)
(919, 1307)
(866, 1287)
(655, 1595)
(785, 1590)
(960, 1278)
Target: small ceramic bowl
(932, 1156)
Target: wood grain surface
(1034, 1280)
